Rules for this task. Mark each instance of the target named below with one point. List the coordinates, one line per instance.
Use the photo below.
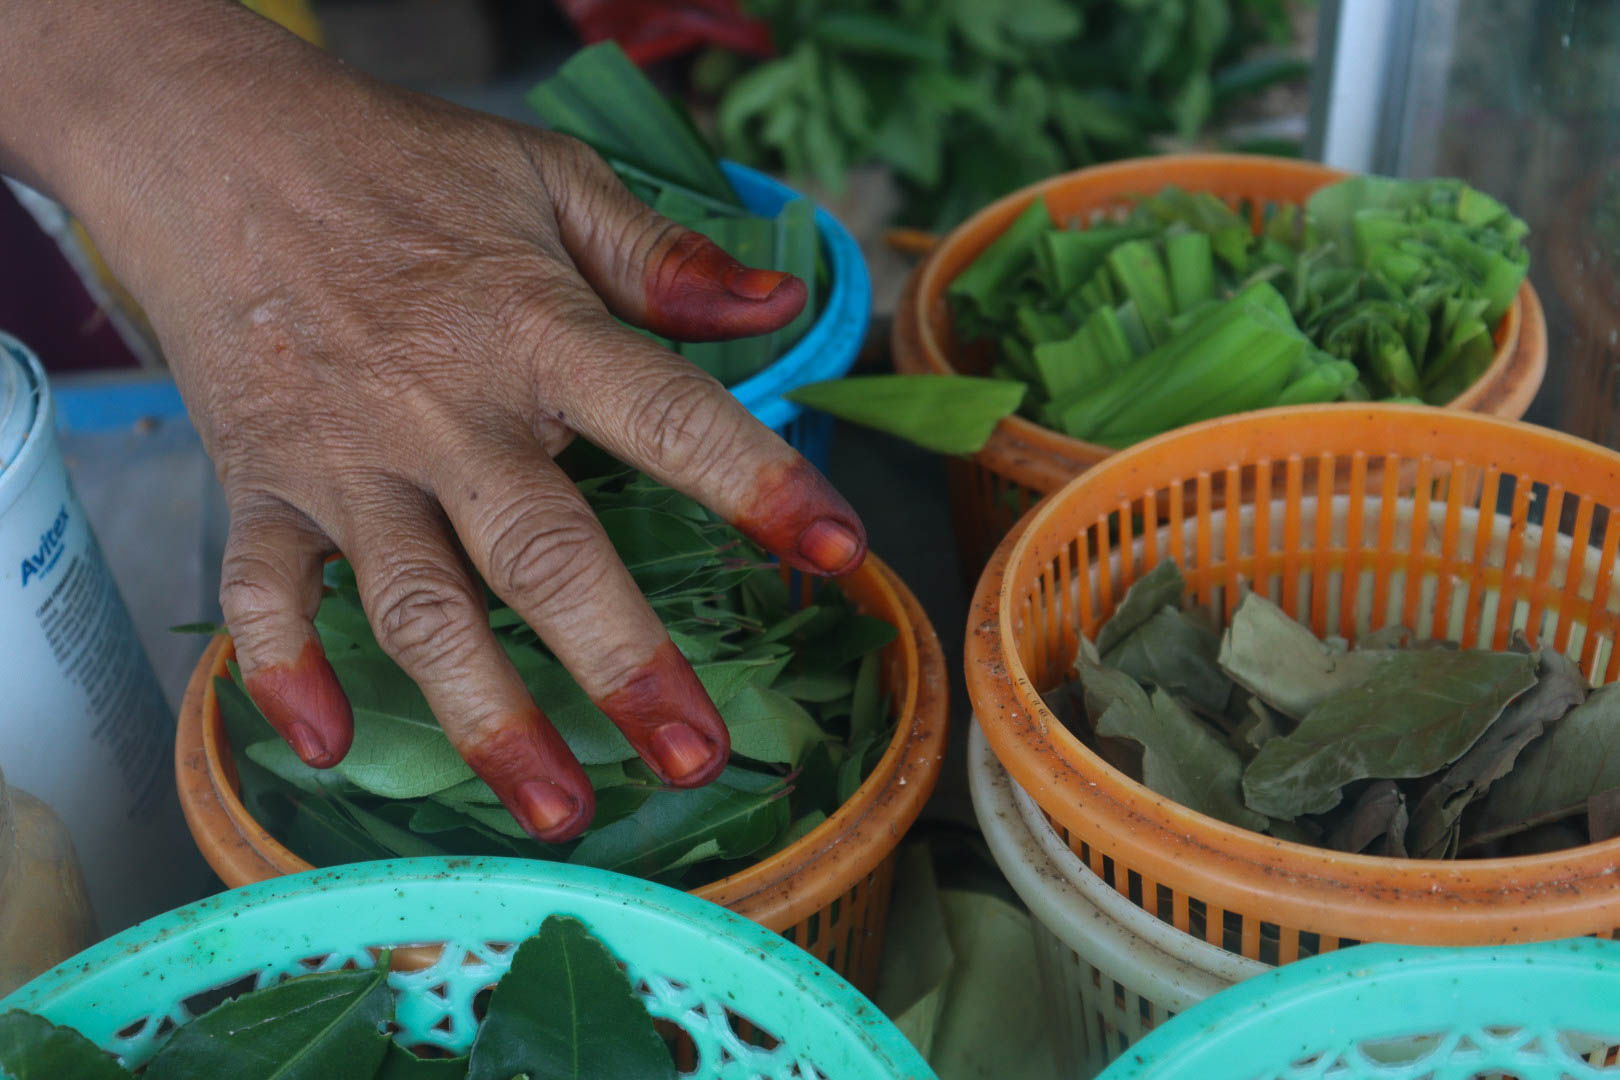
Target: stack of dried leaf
(1392, 746)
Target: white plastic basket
(1111, 971)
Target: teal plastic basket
(754, 1006)
(1549, 1011)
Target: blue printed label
(41, 562)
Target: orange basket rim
(1364, 897)
(920, 350)
(779, 891)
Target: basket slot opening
(1196, 918)
(1270, 943)
(199, 1003)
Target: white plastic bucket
(83, 723)
(1110, 971)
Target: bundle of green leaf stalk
(798, 688)
(604, 100)
(1182, 311)
(1392, 746)
(337, 1024)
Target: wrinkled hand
(387, 316)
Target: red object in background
(652, 30)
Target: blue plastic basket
(722, 979)
(828, 349)
(1547, 1011)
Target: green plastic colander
(1549, 1011)
(755, 1006)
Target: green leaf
(672, 822)
(399, 750)
(1423, 710)
(1162, 586)
(857, 637)
(1175, 651)
(879, 36)
(866, 716)
(1182, 758)
(658, 549)
(1579, 757)
(275, 755)
(769, 726)
(950, 414)
(400, 1064)
(1284, 664)
(244, 724)
(601, 98)
(565, 1011)
(314, 1026)
(1560, 687)
(590, 735)
(1379, 812)
(32, 1048)
(988, 275)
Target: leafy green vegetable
(798, 687)
(604, 100)
(400, 1064)
(1393, 746)
(1282, 662)
(1424, 709)
(33, 1048)
(1557, 774)
(967, 101)
(1561, 688)
(1182, 311)
(944, 413)
(566, 1012)
(1182, 759)
(316, 1026)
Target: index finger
(663, 415)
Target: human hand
(387, 315)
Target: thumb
(653, 272)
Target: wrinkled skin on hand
(387, 315)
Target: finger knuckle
(251, 601)
(549, 557)
(425, 622)
(680, 425)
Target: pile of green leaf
(602, 99)
(968, 100)
(1182, 311)
(798, 688)
(336, 1024)
(1392, 746)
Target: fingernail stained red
(798, 516)
(755, 284)
(528, 765)
(829, 545)
(667, 716)
(680, 750)
(546, 807)
(304, 701)
(305, 743)
(697, 292)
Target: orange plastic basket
(828, 892)
(1328, 526)
(1024, 461)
